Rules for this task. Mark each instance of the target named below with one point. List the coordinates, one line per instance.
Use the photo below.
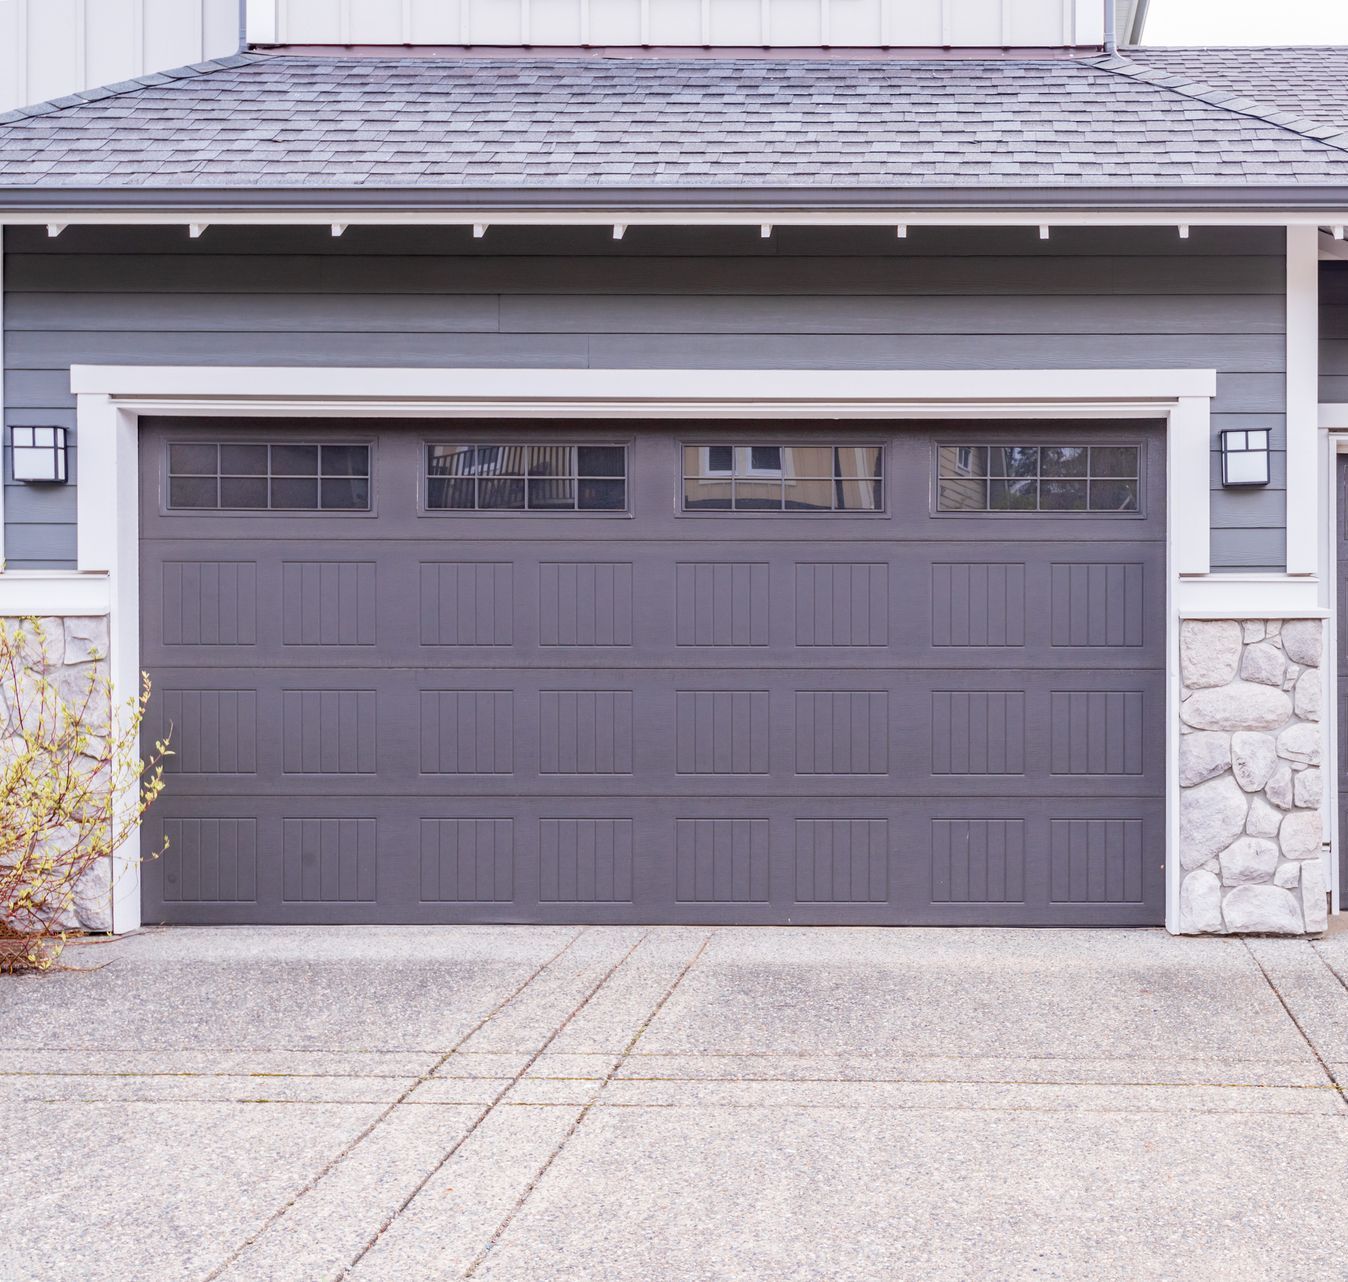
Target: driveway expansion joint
(346, 1151)
(518, 1076)
(1310, 1045)
(587, 1108)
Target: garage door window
(783, 478)
(1038, 478)
(526, 478)
(268, 477)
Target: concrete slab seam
(1329, 965)
(586, 1109)
(383, 1116)
(486, 1112)
(1282, 1001)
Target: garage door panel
(958, 859)
(749, 717)
(492, 732)
(219, 606)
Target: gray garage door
(607, 672)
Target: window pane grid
(801, 478)
(1038, 478)
(526, 478)
(263, 476)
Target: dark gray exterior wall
(1334, 332)
(845, 298)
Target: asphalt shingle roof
(587, 122)
(1310, 80)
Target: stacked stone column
(1250, 777)
(73, 652)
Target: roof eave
(27, 203)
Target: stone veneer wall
(1250, 777)
(74, 649)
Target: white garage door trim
(110, 400)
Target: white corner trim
(1334, 433)
(1304, 516)
(107, 550)
(1189, 520)
(4, 413)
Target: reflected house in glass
(526, 478)
(1038, 478)
(783, 478)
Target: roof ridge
(82, 97)
(1335, 136)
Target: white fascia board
(53, 592)
(606, 216)
(627, 387)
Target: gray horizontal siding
(1001, 299)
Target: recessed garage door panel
(898, 716)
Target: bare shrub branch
(73, 788)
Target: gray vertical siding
(847, 299)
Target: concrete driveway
(526, 1104)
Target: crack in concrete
(346, 1151)
(487, 1111)
(586, 1109)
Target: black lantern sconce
(1245, 456)
(37, 455)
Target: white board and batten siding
(710, 23)
(50, 48)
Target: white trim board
(1248, 596)
(1304, 517)
(53, 592)
(625, 389)
(1333, 419)
(4, 411)
(110, 398)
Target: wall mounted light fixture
(37, 455)
(1245, 456)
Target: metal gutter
(610, 200)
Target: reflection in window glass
(783, 478)
(1038, 478)
(269, 477)
(526, 478)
